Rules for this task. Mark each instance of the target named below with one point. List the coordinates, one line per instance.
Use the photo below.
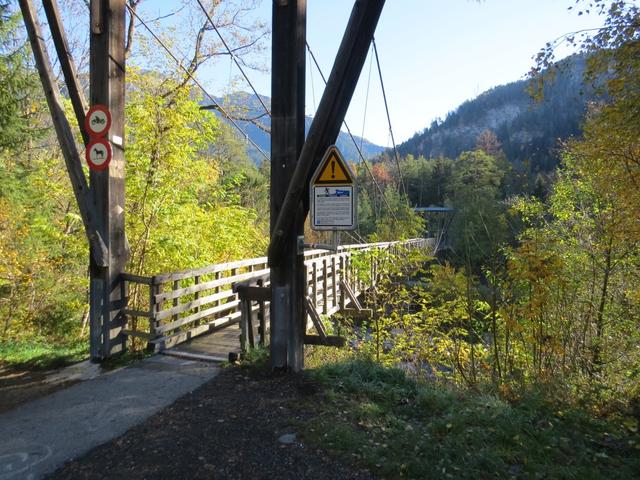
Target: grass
(377, 418)
(40, 355)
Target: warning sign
(333, 169)
(333, 194)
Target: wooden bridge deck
(215, 346)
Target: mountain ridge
(529, 131)
(245, 106)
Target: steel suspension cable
(366, 101)
(386, 107)
(233, 56)
(364, 161)
(198, 84)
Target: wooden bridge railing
(165, 310)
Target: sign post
(333, 193)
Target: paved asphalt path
(40, 436)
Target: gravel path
(243, 424)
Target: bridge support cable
(355, 143)
(233, 57)
(215, 103)
(386, 107)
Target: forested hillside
(250, 115)
(528, 129)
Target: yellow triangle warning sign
(333, 169)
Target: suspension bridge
(272, 295)
(229, 303)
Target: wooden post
(176, 286)
(76, 94)
(328, 119)
(90, 217)
(315, 283)
(334, 286)
(325, 286)
(287, 138)
(154, 309)
(342, 280)
(107, 186)
(262, 329)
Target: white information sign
(333, 207)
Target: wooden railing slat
(196, 316)
(196, 303)
(208, 285)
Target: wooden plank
(217, 276)
(329, 341)
(342, 277)
(154, 307)
(197, 316)
(352, 296)
(262, 312)
(176, 286)
(129, 277)
(334, 297)
(207, 285)
(249, 312)
(315, 317)
(314, 289)
(194, 356)
(179, 337)
(246, 292)
(262, 279)
(183, 307)
(219, 267)
(136, 313)
(324, 286)
(196, 296)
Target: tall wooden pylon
(287, 313)
(107, 78)
(294, 158)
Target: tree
(479, 224)
(179, 213)
(19, 102)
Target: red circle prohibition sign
(98, 154)
(97, 121)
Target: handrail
(180, 305)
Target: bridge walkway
(171, 312)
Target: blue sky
(435, 54)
